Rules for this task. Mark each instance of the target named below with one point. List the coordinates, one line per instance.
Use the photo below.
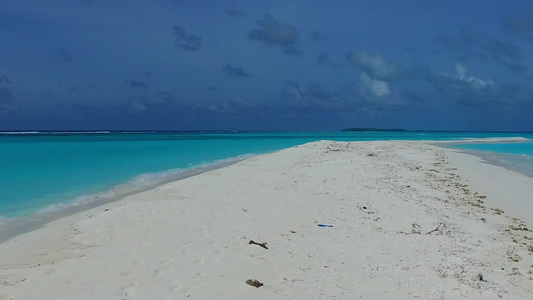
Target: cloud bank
(322, 59)
(7, 102)
(374, 65)
(234, 13)
(136, 84)
(232, 71)
(472, 44)
(379, 88)
(274, 33)
(65, 55)
(313, 97)
(184, 41)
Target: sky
(266, 65)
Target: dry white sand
(405, 226)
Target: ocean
(514, 156)
(42, 172)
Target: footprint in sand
(159, 274)
(140, 262)
(153, 230)
(199, 262)
(131, 273)
(6, 283)
(11, 280)
(166, 262)
(53, 271)
(176, 286)
(130, 289)
(145, 244)
(132, 253)
(199, 275)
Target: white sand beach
(409, 221)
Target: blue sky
(271, 65)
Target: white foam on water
(19, 132)
(52, 132)
(141, 183)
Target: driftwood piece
(264, 245)
(438, 227)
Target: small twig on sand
(340, 287)
(437, 229)
(264, 245)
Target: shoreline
(12, 227)
(408, 222)
(496, 181)
(19, 225)
(491, 157)
(483, 171)
(16, 226)
(499, 160)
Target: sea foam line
(141, 183)
(52, 132)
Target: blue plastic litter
(322, 225)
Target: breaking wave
(144, 182)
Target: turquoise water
(509, 148)
(47, 171)
(514, 156)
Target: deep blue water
(47, 171)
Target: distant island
(374, 129)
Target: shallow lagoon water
(514, 156)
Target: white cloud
(378, 87)
(374, 65)
(462, 74)
(294, 91)
(137, 107)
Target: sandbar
(341, 220)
